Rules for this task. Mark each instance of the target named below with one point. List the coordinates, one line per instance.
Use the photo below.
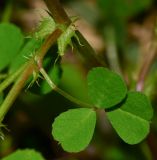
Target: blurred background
(121, 32)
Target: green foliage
(77, 89)
(1, 98)
(46, 26)
(27, 52)
(122, 8)
(27, 154)
(65, 39)
(116, 154)
(74, 129)
(38, 84)
(55, 74)
(105, 87)
(131, 120)
(130, 113)
(11, 40)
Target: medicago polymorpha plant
(28, 61)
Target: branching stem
(28, 70)
(11, 78)
(14, 92)
(61, 92)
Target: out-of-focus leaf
(73, 82)
(115, 154)
(11, 40)
(27, 154)
(25, 54)
(122, 8)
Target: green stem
(14, 92)
(3, 76)
(63, 93)
(11, 78)
(30, 66)
(112, 54)
(85, 50)
(146, 151)
(28, 70)
(7, 12)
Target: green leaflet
(105, 88)
(11, 40)
(131, 120)
(74, 129)
(26, 154)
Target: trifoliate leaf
(105, 87)
(74, 129)
(27, 154)
(11, 40)
(131, 120)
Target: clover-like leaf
(105, 88)
(26, 154)
(11, 40)
(74, 129)
(132, 120)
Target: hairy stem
(30, 67)
(11, 78)
(14, 92)
(17, 87)
(46, 46)
(61, 92)
(60, 17)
